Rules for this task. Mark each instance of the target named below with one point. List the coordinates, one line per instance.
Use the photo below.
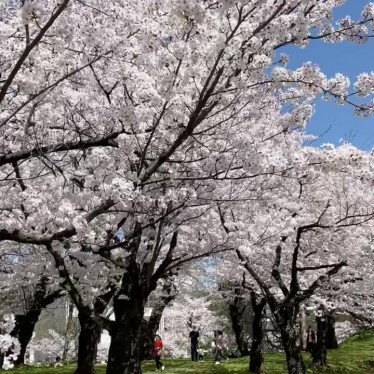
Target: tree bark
(294, 358)
(146, 337)
(236, 310)
(321, 352)
(255, 354)
(331, 341)
(124, 353)
(23, 331)
(295, 362)
(137, 283)
(89, 338)
(2, 355)
(128, 305)
(286, 318)
(149, 328)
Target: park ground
(356, 356)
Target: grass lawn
(350, 358)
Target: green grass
(350, 358)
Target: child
(157, 352)
(201, 354)
(57, 362)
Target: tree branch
(265, 289)
(275, 271)
(167, 260)
(106, 141)
(20, 237)
(30, 47)
(305, 294)
(306, 268)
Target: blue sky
(349, 59)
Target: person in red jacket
(157, 351)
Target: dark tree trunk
(236, 310)
(124, 353)
(90, 330)
(23, 330)
(286, 319)
(89, 338)
(255, 354)
(321, 352)
(237, 304)
(150, 327)
(294, 358)
(129, 303)
(146, 336)
(331, 341)
(1, 360)
(295, 362)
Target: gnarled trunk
(89, 338)
(295, 362)
(124, 353)
(146, 337)
(321, 352)
(150, 327)
(236, 310)
(2, 355)
(255, 354)
(128, 305)
(331, 341)
(148, 331)
(23, 330)
(286, 319)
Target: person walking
(194, 336)
(220, 345)
(157, 352)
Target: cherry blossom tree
(246, 307)
(186, 312)
(248, 294)
(140, 121)
(236, 299)
(313, 241)
(350, 296)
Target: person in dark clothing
(194, 336)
